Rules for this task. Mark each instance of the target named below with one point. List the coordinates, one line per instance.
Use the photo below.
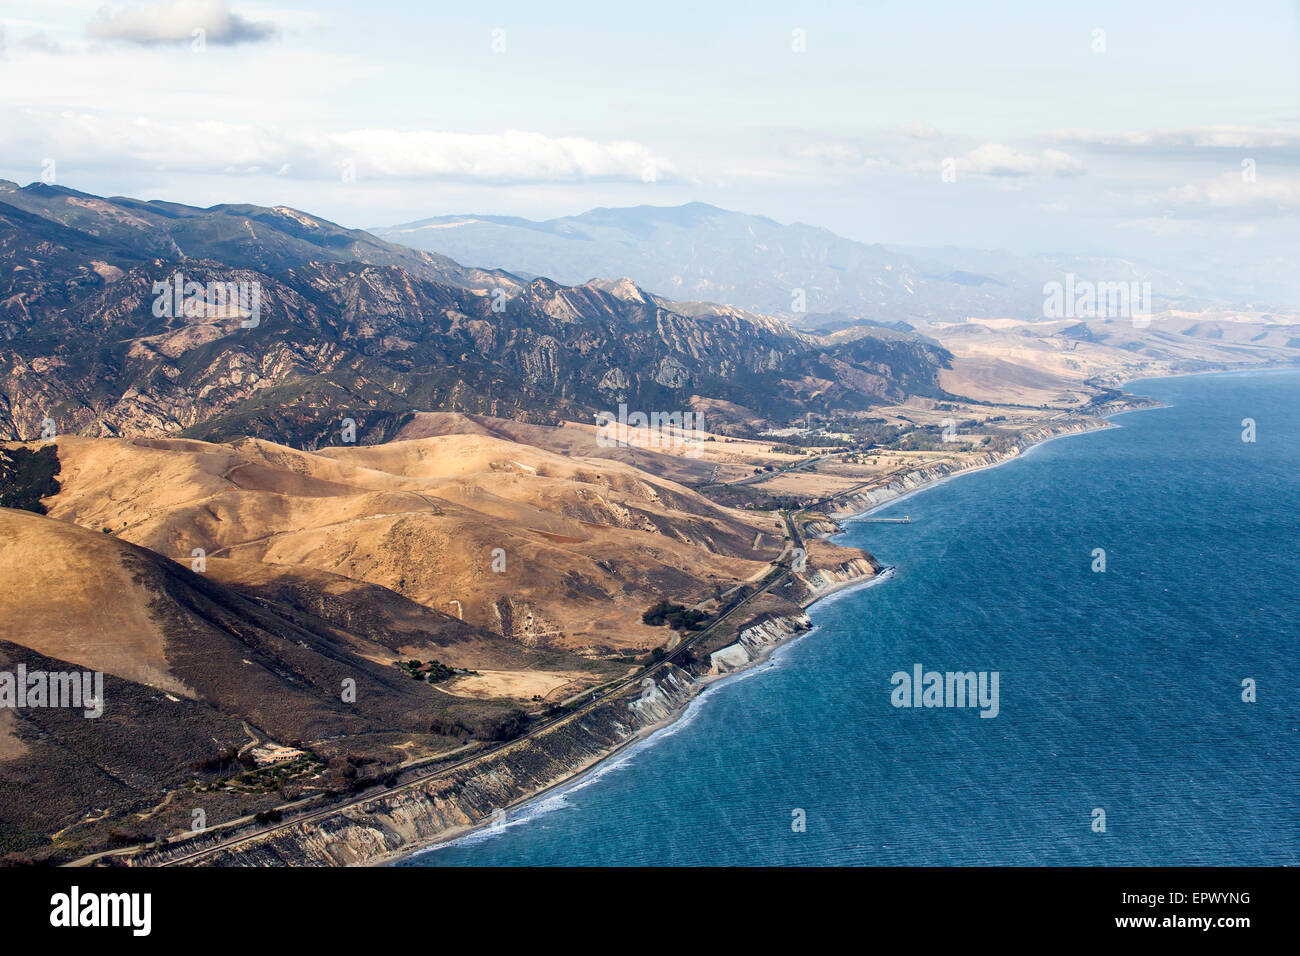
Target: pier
(906, 519)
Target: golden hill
(99, 603)
(193, 669)
(541, 547)
(228, 592)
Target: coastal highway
(778, 575)
(766, 475)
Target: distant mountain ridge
(352, 326)
(267, 239)
(698, 251)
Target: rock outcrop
(423, 812)
(756, 642)
(861, 501)
(824, 580)
(482, 790)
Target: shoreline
(681, 717)
(993, 459)
(427, 814)
(611, 761)
(1015, 456)
(385, 829)
(1262, 370)
(625, 751)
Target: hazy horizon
(1164, 133)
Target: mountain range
(351, 326)
(808, 275)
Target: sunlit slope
(101, 604)
(193, 668)
(544, 548)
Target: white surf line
(553, 799)
(935, 483)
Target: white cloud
(1059, 163)
(918, 130)
(176, 21)
(1232, 192)
(843, 156)
(995, 159)
(918, 148)
(836, 154)
(218, 146)
(1158, 226)
(1193, 139)
(1227, 197)
(40, 43)
(513, 156)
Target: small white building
(274, 753)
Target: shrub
(27, 476)
(676, 616)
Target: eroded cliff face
(422, 812)
(821, 527)
(874, 497)
(756, 642)
(481, 791)
(824, 580)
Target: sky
(1168, 132)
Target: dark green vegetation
(354, 327)
(435, 672)
(676, 616)
(27, 476)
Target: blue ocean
(1120, 690)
